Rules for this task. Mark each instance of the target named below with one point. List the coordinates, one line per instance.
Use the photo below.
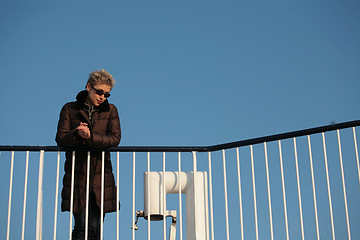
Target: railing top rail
(212, 148)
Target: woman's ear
(88, 87)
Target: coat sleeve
(65, 136)
(113, 132)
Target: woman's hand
(83, 130)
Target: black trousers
(78, 232)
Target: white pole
(180, 199)
(117, 194)
(40, 198)
(254, 191)
(313, 188)
(133, 197)
(211, 197)
(72, 193)
(328, 187)
(283, 190)
(10, 195)
(240, 195)
(148, 195)
(226, 197)
(195, 189)
(56, 193)
(102, 195)
(25, 194)
(356, 153)
(299, 189)
(343, 183)
(164, 198)
(268, 190)
(87, 195)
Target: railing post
(25, 194)
(10, 195)
(102, 195)
(56, 193)
(226, 196)
(87, 195)
(133, 197)
(211, 197)
(180, 200)
(117, 195)
(40, 198)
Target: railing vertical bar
(211, 197)
(268, 190)
(72, 193)
(10, 194)
(133, 197)
(240, 194)
(180, 198)
(148, 195)
(164, 198)
(40, 198)
(226, 196)
(254, 191)
(207, 212)
(56, 193)
(87, 196)
(328, 186)
(283, 190)
(356, 153)
(343, 183)
(25, 195)
(102, 195)
(194, 181)
(117, 195)
(299, 189)
(313, 188)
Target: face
(94, 98)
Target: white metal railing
(299, 185)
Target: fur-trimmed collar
(81, 98)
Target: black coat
(105, 132)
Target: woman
(93, 122)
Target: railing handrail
(211, 148)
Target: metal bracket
(171, 213)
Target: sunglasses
(100, 92)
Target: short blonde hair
(101, 77)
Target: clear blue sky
(187, 72)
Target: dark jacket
(105, 132)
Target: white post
(211, 197)
(180, 200)
(240, 195)
(10, 195)
(197, 227)
(328, 186)
(117, 195)
(40, 198)
(226, 197)
(133, 197)
(283, 190)
(56, 194)
(313, 188)
(102, 195)
(343, 184)
(254, 191)
(25, 195)
(72, 193)
(268, 190)
(299, 190)
(87, 195)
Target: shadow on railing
(302, 185)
